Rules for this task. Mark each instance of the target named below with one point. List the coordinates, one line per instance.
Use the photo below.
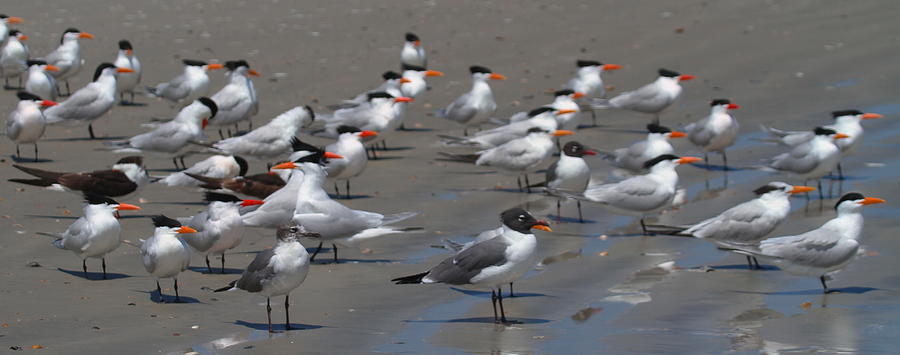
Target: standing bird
(14, 57)
(216, 166)
(414, 83)
(544, 118)
(7, 20)
(589, 82)
(820, 251)
(412, 52)
(715, 132)
(96, 233)
(745, 224)
(219, 228)
(493, 262)
(570, 173)
(652, 98)
(67, 57)
(383, 114)
(476, 106)
(562, 100)
(165, 254)
(643, 194)
(126, 177)
(812, 159)
(39, 81)
(171, 137)
(192, 84)
(257, 185)
(278, 270)
(271, 140)
(26, 123)
(845, 121)
(90, 102)
(391, 85)
(237, 101)
(637, 154)
(349, 145)
(127, 82)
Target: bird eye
(521, 217)
(294, 229)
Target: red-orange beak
(611, 67)
(871, 116)
(246, 203)
(677, 134)
(285, 165)
(799, 189)
(418, 43)
(331, 155)
(51, 68)
(686, 77)
(186, 229)
(562, 132)
(840, 136)
(563, 112)
(433, 73)
(495, 76)
(129, 51)
(253, 72)
(85, 35)
(365, 134)
(124, 70)
(214, 66)
(405, 80)
(733, 106)
(23, 37)
(404, 99)
(688, 160)
(542, 225)
(577, 95)
(127, 207)
(48, 103)
(204, 123)
(872, 200)
(14, 20)
(590, 152)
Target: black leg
(725, 160)
(749, 262)
(35, 152)
(313, 257)
(175, 161)
(18, 155)
(208, 268)
(706, 158)
(511, 294)
(229, 132)
(527, 184)
(824, 286)
(177, 298)
(236, 129)
(840, 172)
(220, 134)
(69, 92)
(159, 291)
(643, 226)
(334, 249)
(347, 191)
(519, 182)
(593, 118)
(580, 218)
(287, 313)
(821, 196)
(465, 131)
(756, 263)
(249, 125)
(494, 304)
(269, 313)
(337, 193)
(103, 263)
(500, 301)
(84, 267)
(657, 119)
(558, 213)
(91, 130)
(182, 162)
(223, 262)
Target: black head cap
(718, 102)
(68, 30)
(312, 114)
(125, 45)
(242, 164)
(574, 149)
(347, 129)
(587, 63)
(413, 67)
(297, 145)
(842, 113)
(668, 73)
(134, 159)
(540, 110)
(14, 32)
(232, 65)
(163, 221)
(650, 163)
(479, 69)
(215, 196)
(213, 108)
(655, 128)
(100, 69)
(535, 130)
(3, 16)
(36, 62)
(193, 63)
(762, 190)
(822, 131)
(411, 37)
(379, 95)
(292, 232)
(564, 92)
(853, 196)
(318, 157)
(24, 95)
(391, 75)
(519, 220)
(97, 199)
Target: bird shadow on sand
(87, 139)
(29, 160)
(853, 290)
(94, 276)
(483, 320)
(165, 170)
(216, 270)
(571, 220)
(486, 294)
(744, 267)
(279, 327)
(351, 197)
(416, 129)
(155, 297)
(394, 149)
(330, 261)
(384, 157)
(132, 104)
(711, 167)
(49, 216)
(181, 203)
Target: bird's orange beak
(688, 160)
(85, 35)
(871, 116)
(253, 72)
(840, 136)
(418, 43)
(246, 203)
(686, 77)
(562, 132)
(186, 229)
(214, 66)
(433, 73)
(799, 189)
(677, 134)
(129, 51)
(404, 99)
(23, 38)
(872, 200)
(542, 225)
(611, 67)
(124, 70)
(365, 134)
(48, 103)
(563, 112)
(286, 165)
(127, 207)
(204, 123)
(577, 95)
(14, 20)
(331, 155)
(733, 106)
(51, 68)
(405, 80)
(495, 76)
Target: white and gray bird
(90, 102)
(476, 106)
(638, 153)
(350, 146)
(391, 85)
(562, 100)
(192, 84)
(493, 262)
(127, 82)
(39, 81)
(414, 80)
(96, 233)
(5, 21)
(271, 140)
(413, 53)
(14, 57)
(715, 132)
(570, 173)
(544, 118)
(821, 251)
(380, 114)
(812, 159)
(126, 177)
(166, 254)
(652, 98)
(216, 166)
(219, 228)
(588, 79)
(237, 101)
(277, 271)
(67, 57)
(26, 124)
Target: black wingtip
(411, 279)
(226, 288)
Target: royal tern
(166, 254)
(39, 81)
(237, 101)
(67, 57)
(412, 52)
(638, 153)
(257, 185)
(588, 80)
(7, 20)
(127, 82)
(652, 98)
(820, 251)
(216, 166)
(517, 157)
(126, 177)
(278, 270)
(570, 173)
(349, 145)
(544, 118)
(14, 57)
(192, 84)
(476, 106)
(562, 100)
(271, 140)
(26, 123)
(96, 233)
(493, 262)
(414, 83)
(745, 224)
(171, 137)
(643, 194)
(812, 159)
(379, 115)
(90, 102)
(219, 228)
(715, 132)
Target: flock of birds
(291, 197)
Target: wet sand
(786, 63)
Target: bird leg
(657, 119)
(465, 131)
(84, 267)
(103, 263)
(269, 313)
(706, 158)
(132, 97)
(558, 214)
(820, 189)
(18, 155)
(643, 226)
(220, 134)
(725, 160)
(334, 249)
(249, 125)
(69, 92)
(223, 262)
(756, 263)
(384, 145)
(580, 218)
(347, 191)
(494, 304)
(749, 262)
(336, 191)
(236, 129)
(90, 129)
(313, 257)
(159, 291)
(500, 301)
(824, 286)
(177, 299)
(840, 172)
(181, 158)
(519, 182)
(35, 152)
(287, 314)
(208, 268)
(511, 294)
(175, 161)
(527, 184)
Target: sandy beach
(600, 288)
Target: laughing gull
(570, 173)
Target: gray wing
(816, 248)
(741, 223)
(468, 263)
(83, 104)
(13, 127)
(459, 110)
(175, 89)
(258, 272)
(698, 133)
(622, 191)
(646, 94)
(551, 172)
(798, 160)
